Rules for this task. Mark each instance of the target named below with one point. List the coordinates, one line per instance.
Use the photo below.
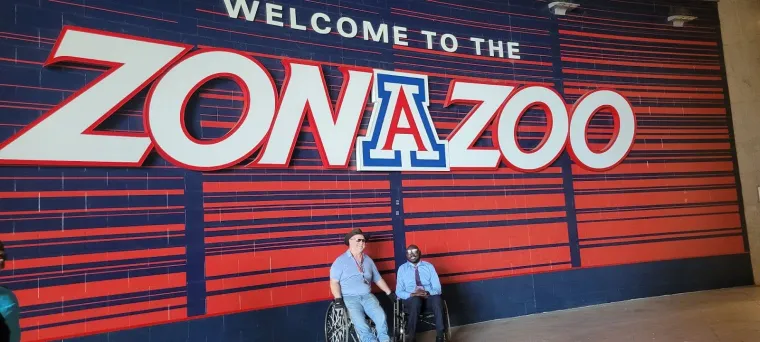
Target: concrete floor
(719, 315)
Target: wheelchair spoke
(336, 325)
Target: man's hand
(420, 293)
(392, 296)
(339, 304)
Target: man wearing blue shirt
(417, 284)
(351, 278)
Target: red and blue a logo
(401, 135)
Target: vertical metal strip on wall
(564, 160)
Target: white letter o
(622, 140)
(168, 97)
(550, 148)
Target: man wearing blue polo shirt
(351, 278)
(417, 284)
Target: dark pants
(414, 305)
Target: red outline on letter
(90, 130)
(549, 120)
(243, 115)
(489, 124)
(286, 62)
(616, 129)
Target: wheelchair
(427, 317)
(338, 326)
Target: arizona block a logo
(401, 135)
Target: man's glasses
(360, 240)
(413, 251)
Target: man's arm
(335, 288)
(383, 286)
(335, 273)
(400, 291)
(379, 280)
(435, 283)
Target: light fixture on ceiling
(679, 20)
(561, 7)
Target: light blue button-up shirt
(406, 283)
(345, 270)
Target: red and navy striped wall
(166, 254)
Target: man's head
(413, 254)
(355, 240)
(2, 255)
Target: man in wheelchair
(418, 286)
(351, 278)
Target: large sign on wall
(401, 135)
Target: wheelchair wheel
(446, 322)
(399, 323)
(338, 326)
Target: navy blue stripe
(97, 302)
(495, 176)
(680, 153)
(655, 207)
(195, 244)
(662, 234)
(253, 178)
(486, 224)
(295, 195)
(80, 204)
(668, 161)
(17, 277)
(661, 123)
(484, 193)
(315, 218)
(303, 227)
(444, 275)
(106, 275)
(55, 222)
(494, 250)
(95, 319)
(486, 212)
(77, 266)
(84, 213)
(283, 269)
(290, 172)
(89, 238)
(226, 249)
(97, 247)
(660, 216)
(280, 284)
(93, 184)
(642, 176)
(647, 69)
(565, 162)
(624, 243)
(653, 189)
(667, 141)
(295, 239)
(295, 207)
(74, 174)
(520, 187)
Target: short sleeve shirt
(346, 270)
